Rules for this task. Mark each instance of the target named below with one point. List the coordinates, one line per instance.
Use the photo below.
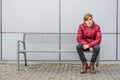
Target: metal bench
(27, 38)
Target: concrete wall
(0, 29)
(59, 16)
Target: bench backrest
(50, 41)
(41, 38)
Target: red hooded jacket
(89, 35)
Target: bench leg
(25, 59)
(18, 61)
(98, 63)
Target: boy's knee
(97, 47)
(79, 46)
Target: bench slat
(68, 51)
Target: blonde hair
(86, 16)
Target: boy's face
(89, 22)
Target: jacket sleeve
(80, 36)
(98, 38)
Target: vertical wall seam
(59, 29)
(117, 30)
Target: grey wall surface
(42, 16)
(118, 29)
(119, 47)
(30, 15)
(72, 12)
(0, 29)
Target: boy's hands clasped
(87, 46)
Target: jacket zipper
(88, 32)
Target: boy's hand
(85, 46)
(91, 49)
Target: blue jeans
(80, 50)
